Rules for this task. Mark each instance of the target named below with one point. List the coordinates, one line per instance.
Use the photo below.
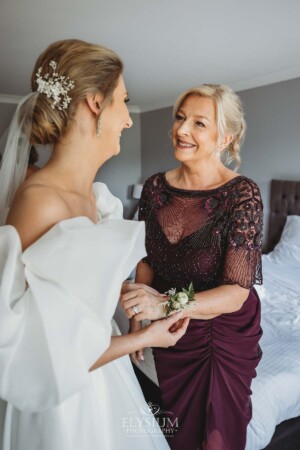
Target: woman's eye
(179, 117)
(200, 124)
(127, 100)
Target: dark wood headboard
(285, 201)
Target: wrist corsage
(178, 301)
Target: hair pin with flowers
(178, 301)
(55, 86)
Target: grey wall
(120, 173)
(123, 171)
(272, 145)
(157, 151)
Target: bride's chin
(116, 152)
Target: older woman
(204, 225)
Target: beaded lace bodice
(210, 237)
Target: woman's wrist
(161, 308)
(182, 301)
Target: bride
(65, 251)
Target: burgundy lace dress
(211, 238)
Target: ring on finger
(135, 309)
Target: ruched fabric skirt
(205, 380)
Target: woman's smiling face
(195, 130)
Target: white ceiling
(167, 45)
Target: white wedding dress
(57, 300)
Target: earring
(99, 126)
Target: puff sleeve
(57, 300)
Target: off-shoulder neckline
(198, 191)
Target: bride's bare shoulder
(35, 209)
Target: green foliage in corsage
(178, 301)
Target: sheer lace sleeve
(242, 262)
(145, 200)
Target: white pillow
(287, 251)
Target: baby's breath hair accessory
(178, 301)
(55, 86)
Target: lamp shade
(137, 191)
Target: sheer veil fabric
(15, 149)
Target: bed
(276, 389)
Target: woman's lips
(184, 145)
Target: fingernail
(142, 357)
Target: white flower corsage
(178, 301)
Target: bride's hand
(142, 302)
(163, 333)
(138, 355)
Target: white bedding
(276, 389)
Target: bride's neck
(74, 165)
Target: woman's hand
(159, 333)
(128, 286)
(142, 302)
(138, 355)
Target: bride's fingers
(176, 326)
(182, 329)
(171, 319)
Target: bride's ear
(94, 102)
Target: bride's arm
(158, 334)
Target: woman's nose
(183, 130)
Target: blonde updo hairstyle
(230, 116)
(93, 68)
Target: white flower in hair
(55, 87)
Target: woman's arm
(158, 334)
(214, 302)
(144, 294)
(144, 273)
(209, 304)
